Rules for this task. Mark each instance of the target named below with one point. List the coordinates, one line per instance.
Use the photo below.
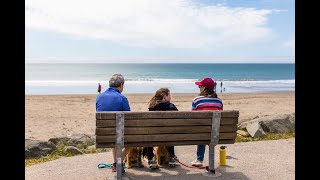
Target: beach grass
(270, 136)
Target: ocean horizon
(49, 79)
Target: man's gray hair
(116, 80)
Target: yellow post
(223, 156)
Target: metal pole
(216, 116)
(211, 158)
(119, 142)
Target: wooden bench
(144, 129)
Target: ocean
(45, 79)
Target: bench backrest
(165, 128)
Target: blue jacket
(112, 100)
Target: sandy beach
(49, 116)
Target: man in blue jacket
(113, 100)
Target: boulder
(72, 149)
(275, 124)
(76, 140)
(36, 148)
(278, 124)
(243, 133)
(255, 130)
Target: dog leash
(102, 165)
(197, 167)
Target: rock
(255, 130)
(62, 139)
(35, 148)
(76, 140)
(292, 118)
(72, 149)
(244, 124)
(90, 149)
(275, 124)
(243, 133)
(278, 124)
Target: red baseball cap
(206, 82)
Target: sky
(160, 31)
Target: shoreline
(48, 116)
(135, 94)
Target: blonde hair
(158, 96)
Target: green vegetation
(56, 154)
(270, 136)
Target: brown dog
(134, 156)
(161, 155)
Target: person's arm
(193, 106)
(221, 104)
(125, 104)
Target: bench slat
(165, 137)
(166, 122)
(164, 130)
(164, 114)
(167, 143)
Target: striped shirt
(206, 103)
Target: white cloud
(150, 23)
(290, 44)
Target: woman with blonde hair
(161, 102)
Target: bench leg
(216, 116)
(119, 142)
(211, 171)
(119, 163)
(211, 157)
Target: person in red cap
(207, 100)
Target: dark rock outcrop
(35, 148)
